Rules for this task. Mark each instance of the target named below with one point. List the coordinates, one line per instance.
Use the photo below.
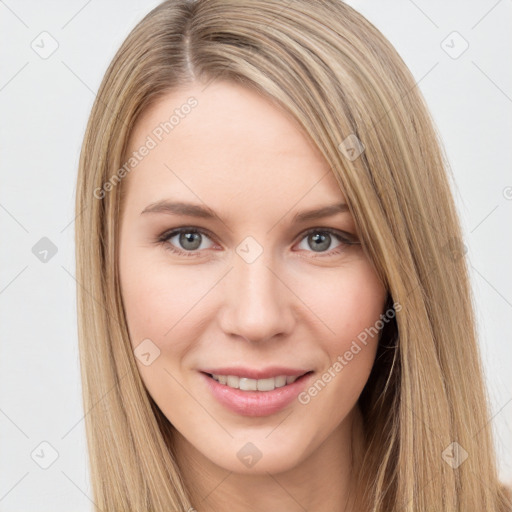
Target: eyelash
(163, 239)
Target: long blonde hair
(342, 80)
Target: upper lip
(256, 373)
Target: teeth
(232, 381)
(246, 384)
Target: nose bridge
(257, 305)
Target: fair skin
(296, 305)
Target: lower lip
(256, 403)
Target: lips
(252, 373)
(256, 402)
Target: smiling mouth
(246, 384)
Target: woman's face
(251, 288)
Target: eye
(190, 240)
(320, 239)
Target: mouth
(256, 397)
(248, 384)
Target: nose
(258, 304)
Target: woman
(285, 359)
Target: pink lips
(256, 403)
(266, 373)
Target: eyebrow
(203, 212)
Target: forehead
(232, 143)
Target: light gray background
(45, 104)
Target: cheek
(159, 298)
(352, 305)
(156, 301)
(347, 301)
